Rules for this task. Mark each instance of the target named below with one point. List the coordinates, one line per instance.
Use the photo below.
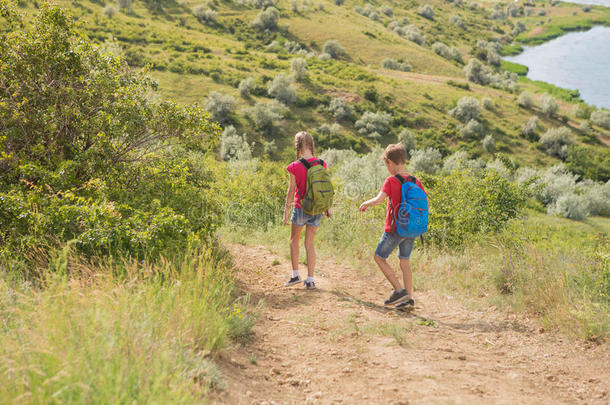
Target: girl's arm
(373, 201)
(289, 197)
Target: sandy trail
(337, 344)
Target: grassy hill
(191, 57)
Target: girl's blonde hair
(302, 140)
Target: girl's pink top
(300, 173)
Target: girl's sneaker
(397, 297)
(292, 281)
(406, 306)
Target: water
(593, 2)
(578, 60)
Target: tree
(104, 117)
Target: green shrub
(525, 100)
(373, 124)
(468, 108)
(107, 167)
(426, 11)
(282, 89)
(555, 141)
(548, 105)
(426, 160)
(298, 66)
(220, 106)
(339, 108)
(389, 63)
(334, 49)
(266, 20)
(601, 118)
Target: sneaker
(397, 297)
(292, 281)
(310, 285)
(406, 306)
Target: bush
(246, 86)
(266, 20)
(570, 206)
(125, 4)
(233, 146)
(548, 105)
(426, 11)
(282, 89)
(204, 14)
(266, 117)
(261, 3)
(555, 141)
(298, 66)
(340, 109)
(468, 108)
(476, 72)
(525, 100)
(412, 33)
(582, 111)
(373, 124)
(443, 50)
(220, 106)
(472, 130)
(389, 63)
(107, 167)
(529, 128)
(456, 161)
(334, 49)
(110, 11)
(457, 21)
(489, 144)
(426, 160)
(488, 103)
(387, 11)
(407, 138)
(601, 118)
(497, 13)
(339, 2)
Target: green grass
(118, 331)
(517, 68)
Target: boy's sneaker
(406, 306)
(397, 297)
(310, 285)
(292, 281)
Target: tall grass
(117, 331)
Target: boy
(394, 157)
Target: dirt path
(338, 345)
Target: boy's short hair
(395, 152)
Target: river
(592, 2)
(577, 60)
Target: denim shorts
(299, 218)
(388, 243)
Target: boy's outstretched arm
(373, 201)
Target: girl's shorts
(299, 218)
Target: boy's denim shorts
(299, 218)
(388, 243)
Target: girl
(304, 145)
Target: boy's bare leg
(407, 276)
(310, 233)
(295, 236)
(388, 272)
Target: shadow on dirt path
(337, 344)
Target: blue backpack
(412, 217)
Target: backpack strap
(305, 163)
(400, 178)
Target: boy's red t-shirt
(392, 187)
(300, 173)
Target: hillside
(194, 56)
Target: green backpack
(319, 195)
